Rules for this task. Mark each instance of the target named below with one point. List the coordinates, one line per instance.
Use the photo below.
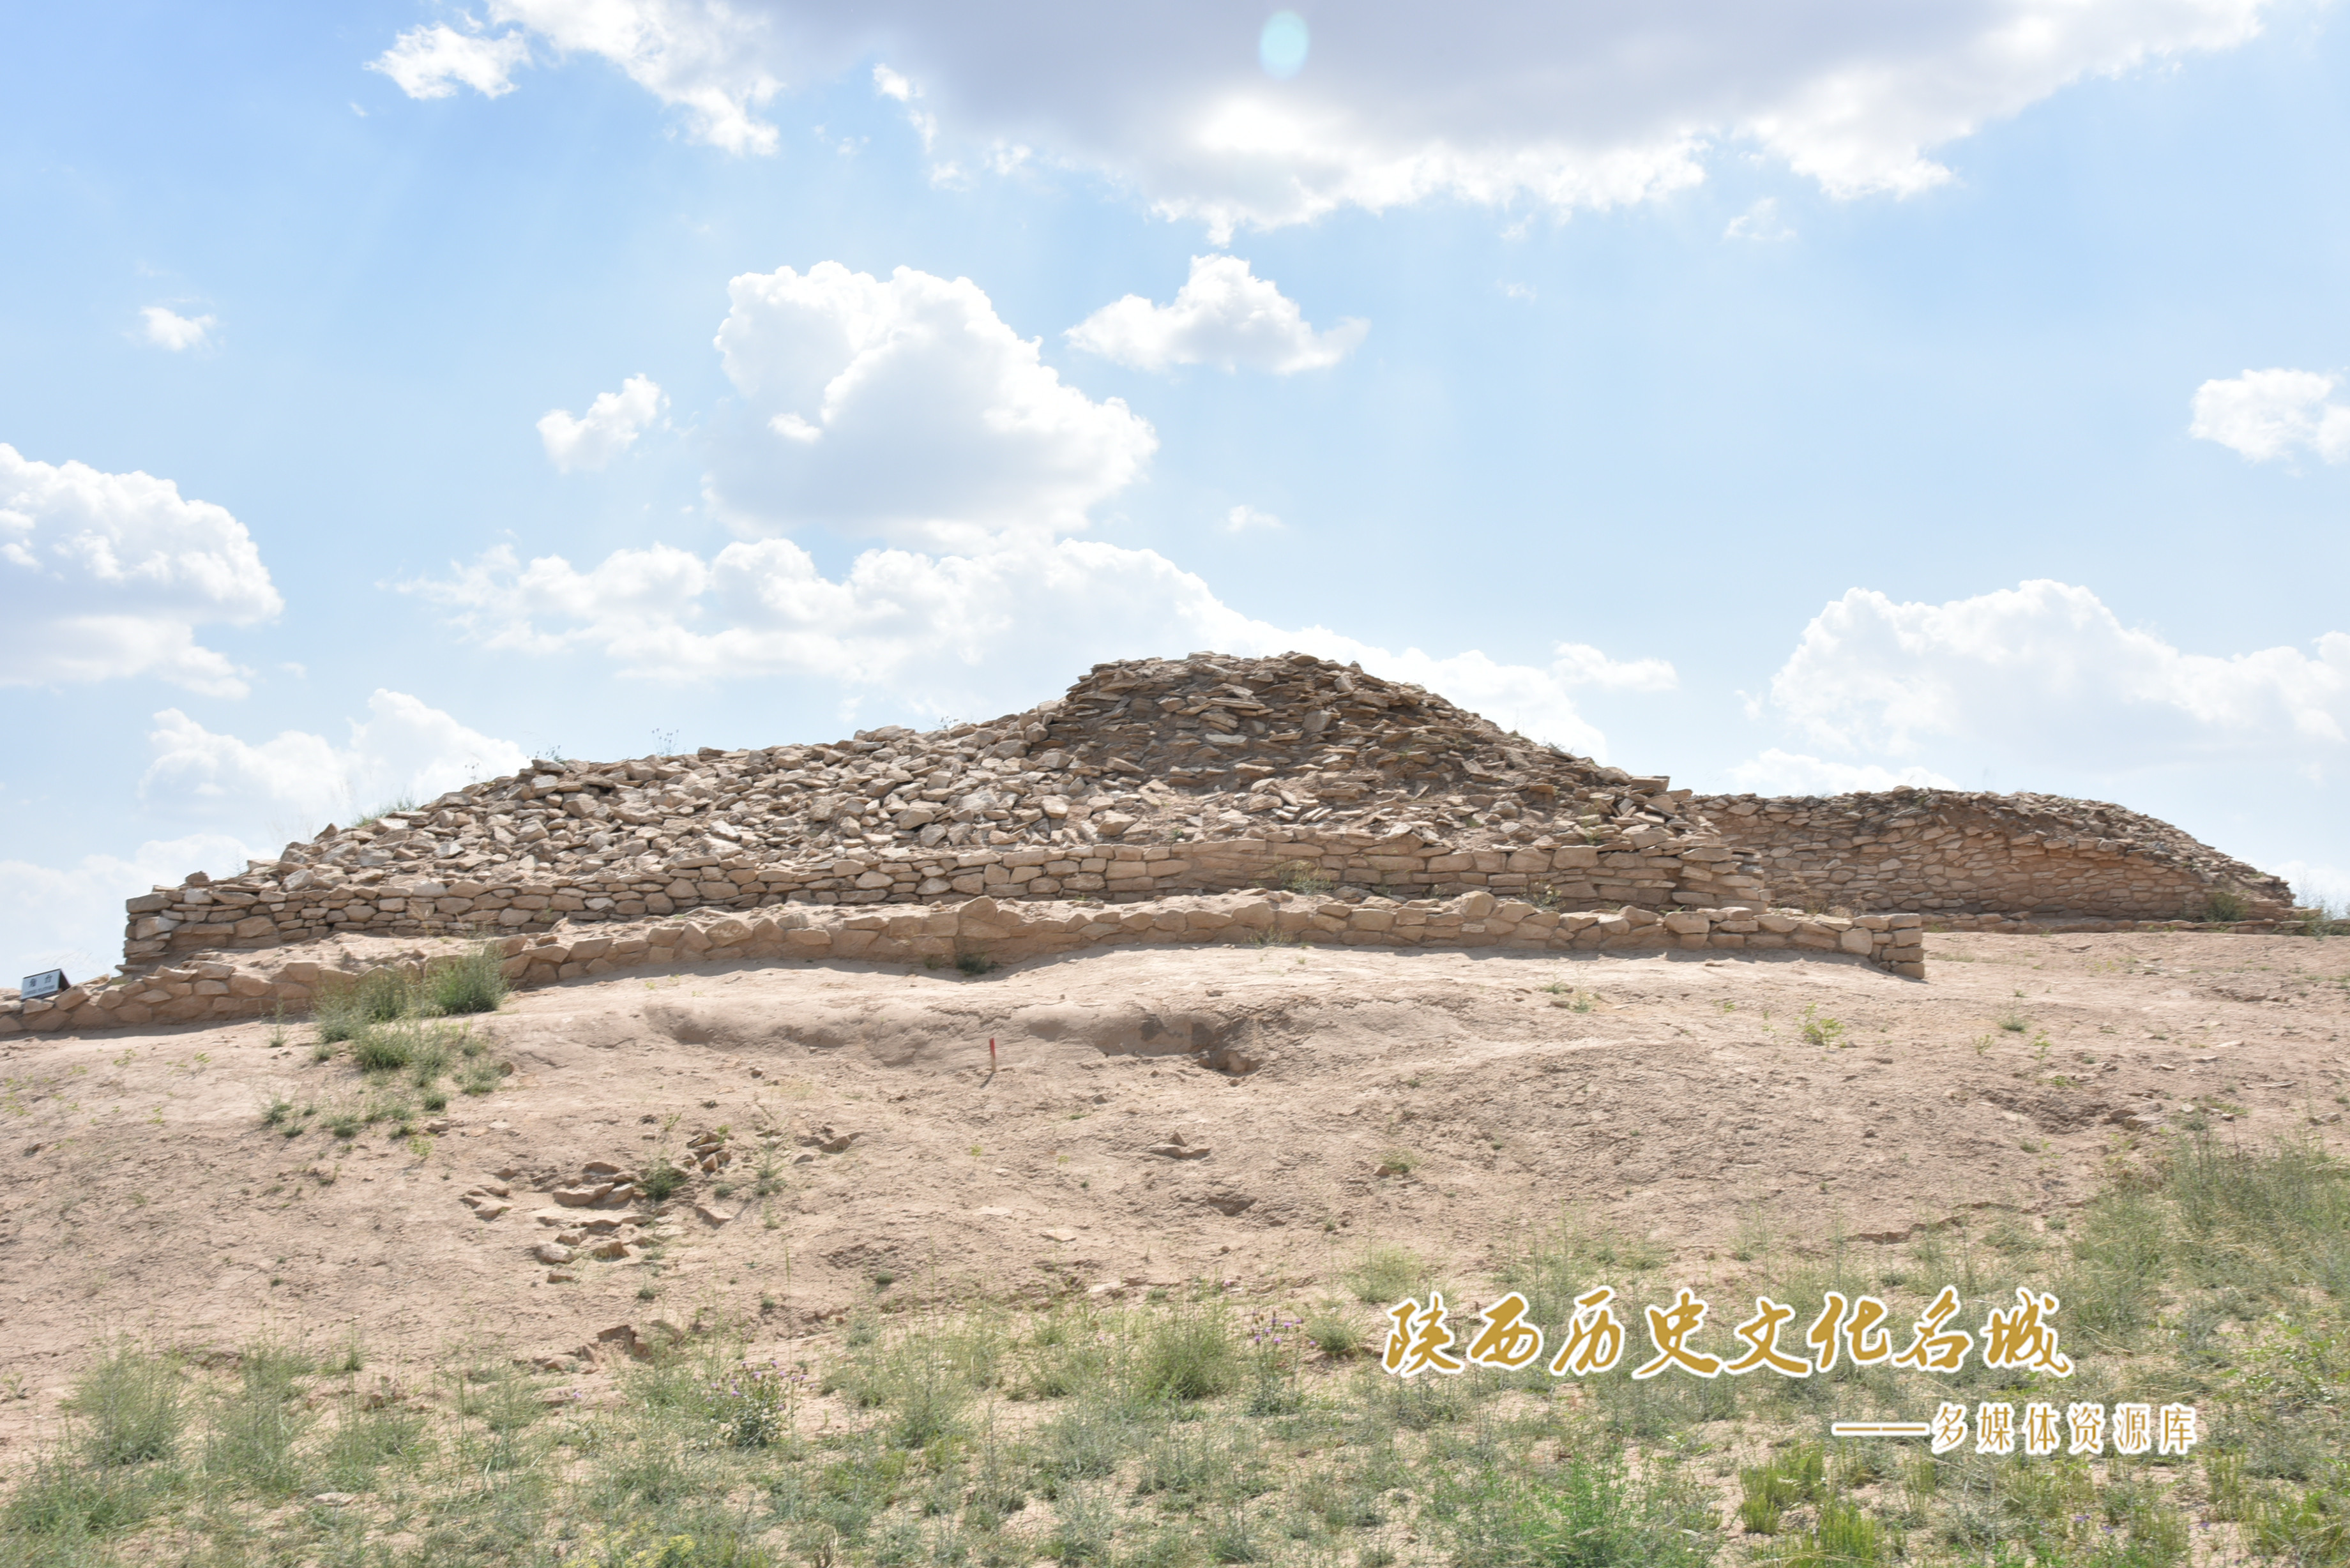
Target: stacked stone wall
(216, 989)
(2015, 855)
(276, 904)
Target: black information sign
(48, 983)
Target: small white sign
(48, 983)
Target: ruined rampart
(1106, 814)
(979, 932)
(1948, 852)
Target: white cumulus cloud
(104, 575)
(2046, 672)
(904, 408)
(1777, 772)
(2266, 414)
(295, 781)
(1562, 103)
(1223, 316)
(953, 634)
(1241, 519)
(715, 61)
(609, 426)
(70, 917)
(436, 60)
(167, 328)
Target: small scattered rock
(1058, 1234)
(714, 1212)
(561, 1277)
(1176, 1149)
(551, 1252)
(622, 1338)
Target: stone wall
(275, 903)
(1948, 852)
(937, 934)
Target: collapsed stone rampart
(1149, 778)
(1948, 852)
(980, 931)
(1158, 780)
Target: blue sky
(1829, 398)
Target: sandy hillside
(1677, 1097)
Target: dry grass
(1204, 1430)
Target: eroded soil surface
(1686, 1098)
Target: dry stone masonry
(1147, 779)
(1201, 799)
(978, 928)
(2013, 857)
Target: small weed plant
(1821, 1030)
(403, 1031)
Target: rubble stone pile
(1149, 778)
(1208, 798)
(2012, 857)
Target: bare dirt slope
(1682, 1097)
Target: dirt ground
(1444, 1101)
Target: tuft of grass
(1768, 1489)
(975, 962)
(1844, 1537)
(1306, 876)
(474, 981)
(345, 1007)
(131, 1405)
(2225, 906)
(1587, 1513)
(2325, 917)
(63, 1509)
(1385, 1274)
(1192, 1355)
(663, 1181)
(384, 1047)
(258, 1424)
(1335, 1334)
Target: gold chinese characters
(1421, 1338)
